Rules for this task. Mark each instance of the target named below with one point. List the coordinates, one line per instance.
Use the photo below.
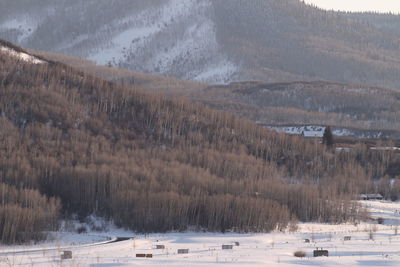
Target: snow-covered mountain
(215, 41)
(174, 37)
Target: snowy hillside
(215, 41)
(142, 43)
(309, 131)
(175, 38)
(318, 131)
(20, 54)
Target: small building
(313, 134)
(347, 238)
(183, 251)
(227, 246)
(306, 240)
(160, 246)
(67, 254)
(321, 252)
(370, 197)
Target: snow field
(371, 244)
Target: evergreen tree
(327, 138)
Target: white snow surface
(273, 249)
(308, 131)
(318, 131)
(167, 41)
(20, 55)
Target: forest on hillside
(286, 38)
(363, 108)
(318, 102)
(72, 143)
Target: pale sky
(358, 5)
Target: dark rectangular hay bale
(320, 253)
(183, 251)
(67, 254)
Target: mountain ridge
(215, 41)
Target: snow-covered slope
(174, 37)
(318, 131)
(20, 55)
(210, 40)
(144, 43)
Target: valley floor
(274, 249)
